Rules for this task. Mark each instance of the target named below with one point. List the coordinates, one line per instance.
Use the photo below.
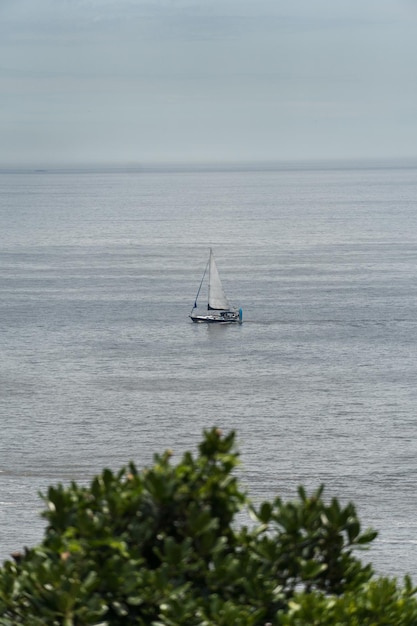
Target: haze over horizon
(124, 81)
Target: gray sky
(119, 81)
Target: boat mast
(201, 283)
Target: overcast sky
(118, 81)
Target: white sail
(216, 298)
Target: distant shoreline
(226, 166)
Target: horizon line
(218, 165)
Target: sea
(101, 365)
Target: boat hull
(225, 317)
(210, 319)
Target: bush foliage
(161, 547)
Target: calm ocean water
(100, 363)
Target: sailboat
(218, 307)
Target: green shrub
(161, 547)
